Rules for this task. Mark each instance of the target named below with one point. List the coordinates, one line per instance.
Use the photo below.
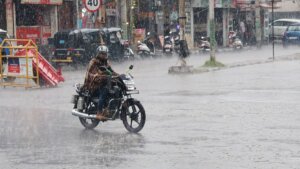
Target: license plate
(69, 58)
(167, 50)
(293, 37)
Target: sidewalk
(247, 56)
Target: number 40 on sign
(92, 5)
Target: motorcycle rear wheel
(89, 123)
(134, 117)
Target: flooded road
(245, 117)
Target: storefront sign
(29, 32)
(43, 2)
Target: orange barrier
(17, 70)
(48, 74)
(25, 62)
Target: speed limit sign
(92, 5)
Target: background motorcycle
(146, 48)
(128, 52)
(168, 46)
(234, 41)
(120, 104)
(204, 45)
(176, 43)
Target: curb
(234, 65)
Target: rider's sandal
(101, 116)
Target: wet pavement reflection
(245, 117)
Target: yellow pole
(1, 62)
(37, 66)
(27, 82)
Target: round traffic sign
(92, 5)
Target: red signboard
(29, 32)
(13, 65)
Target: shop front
(2, 15)
(36, 19)
(224, 14)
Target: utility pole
(182, 18)
(272, 28)
(257, 23)
(211, 20)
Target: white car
(280, 26)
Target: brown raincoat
(96, 78)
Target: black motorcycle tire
(88, 123)
(85, 122)
(138, 112)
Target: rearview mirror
(131, 67)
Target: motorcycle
(167, 48)
(128, 52)
(177, 44)
(234, 41)
(120, 104)
(204, 45)
(143, 50)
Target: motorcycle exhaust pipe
(83, 115)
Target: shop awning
(42, 2)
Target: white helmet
(102, 49)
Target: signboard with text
(92, 5)
(17, 67)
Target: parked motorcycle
(176, 44)
(234, 41)
(144, 50)
(204, 45)
(120, 104)
(168, 46)
(128, 52)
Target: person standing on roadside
(242, 31)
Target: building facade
(40, 19)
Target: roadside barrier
(17, 69)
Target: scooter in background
(168, 46)
(204, 45)
(234, 41)
(128, 52)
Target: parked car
(292, 35)
(75, 46)
(280, 26)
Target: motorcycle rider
(97, 77)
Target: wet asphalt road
(240, 118)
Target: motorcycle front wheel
(134, 117)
